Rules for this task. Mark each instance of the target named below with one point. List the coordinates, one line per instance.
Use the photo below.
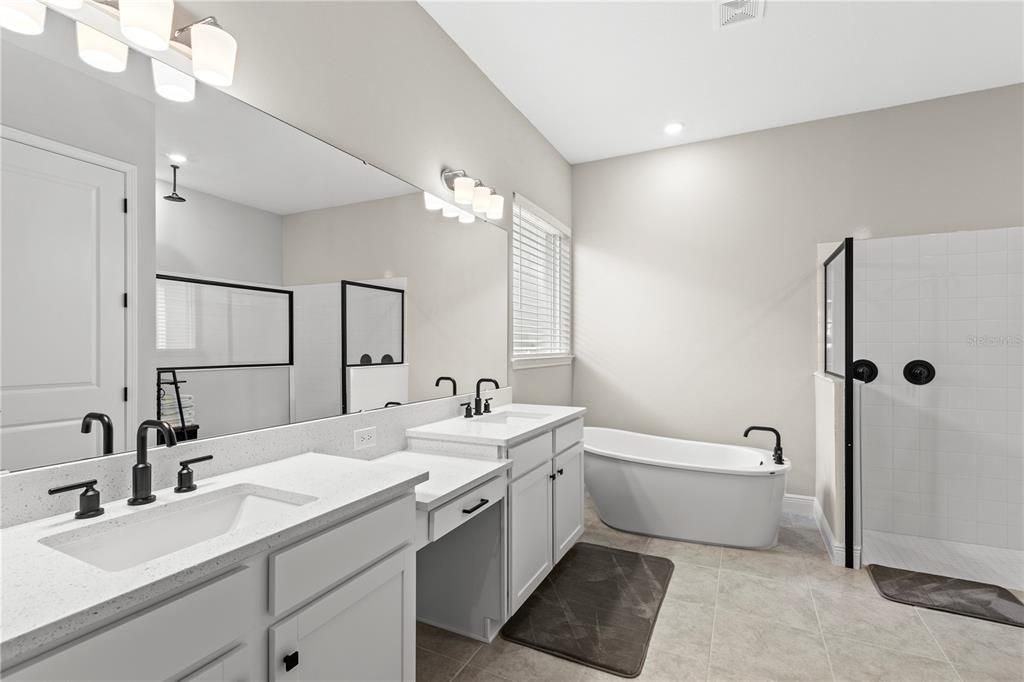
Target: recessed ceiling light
(177, 158)
(674, 128)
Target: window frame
(563, 294)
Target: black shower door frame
(845, 251)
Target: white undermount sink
(148, 534)
(512, 418)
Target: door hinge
(125, 394)
(124, 299)
(124, 205)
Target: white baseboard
(836, 550)
(801, 505)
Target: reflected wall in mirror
(271, 278)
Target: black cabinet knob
(561, 471)
(291, 660)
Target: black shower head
(174, 196)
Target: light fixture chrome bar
(211, 20)
(448, 176)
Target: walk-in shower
(938, 430)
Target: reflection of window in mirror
(175, 316)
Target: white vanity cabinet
(543, 445)
(230, 667)
(363, 630)
(545, 511)
(167, 641)
(530, 527)
(343, 598)
(568, 499)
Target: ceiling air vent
(732, 12)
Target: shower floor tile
(1003, 567)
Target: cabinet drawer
(529, 455)
(568, 435)
(450, 516)
(311, 566)
(159, 643)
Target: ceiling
(602, 79)
(242, 154)
(234, 151)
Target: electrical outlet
(365, 438)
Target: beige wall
(456, 300)
(382, 81)
(695, 268)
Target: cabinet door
(530, 521)
(362, 630)
(568, 499)
(231, 667)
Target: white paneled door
(62, 238)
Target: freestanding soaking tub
(685, 490)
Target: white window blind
(175, 315)
(541, 283)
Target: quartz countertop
(449, 476)
(525, 421)
(50, 597)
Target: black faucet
(455, 387)
(142, 472)
(478, 404)
(108, 429)
(777, 452)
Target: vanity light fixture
(173, 84)
(66, 4)
(213, 51)
(27, 17)
(99, 50)
(495, 207)
(674, 128)
(464, 187)
(472, 192)
(466, 217)
(147, 23)
(481, 198)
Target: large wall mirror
(271, 278)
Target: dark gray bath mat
(596, 607)
(962, 597)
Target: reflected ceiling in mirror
(237, 260)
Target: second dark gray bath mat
(597, 607)
(962, 597)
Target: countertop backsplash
(23, 495)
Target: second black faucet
(478, 403)
(142, 472)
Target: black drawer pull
(561, 471)
(291, 660)
(482, 502)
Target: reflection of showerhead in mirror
(174, 196)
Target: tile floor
(780, 614)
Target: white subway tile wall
(944, 460)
